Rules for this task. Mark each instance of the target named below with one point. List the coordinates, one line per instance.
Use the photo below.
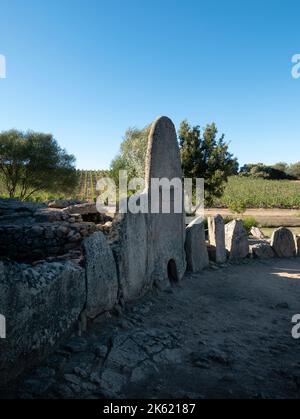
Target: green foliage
(278, 171)
(260, 193)
(249, 222)
(294, 170)
(281, 166)
(31, 162)
(132, 154)
(237, 206)
(206, 156)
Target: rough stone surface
(82, 209)
(216, 233)
(32, 242)
(257, 233)
(101, 274)
(297, 242)
(236, 240)
(13, 211)
(41, 305)
(195, 246)
(130, 248)
(50, 215)
(166, 231)
(63, 203)
(283, 243)
(149, 248)
(262, 250)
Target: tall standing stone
(166, 238)
(283, 243)
(195, 246)
(236, 240)
(216, 233)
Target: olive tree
(33, 161)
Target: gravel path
(225, 333)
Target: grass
(269, 231)
(260, 193)
(240, 192)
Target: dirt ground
(266, 217)
(223, 333)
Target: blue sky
(88, 70)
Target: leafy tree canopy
(276, 172)
(32, 161)
(132, 154)
(204, 155)
(294, 170)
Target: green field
(260, 193)
(252, 192)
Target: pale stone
(216, 233)
(195, 246)
(257, 233)
(166, 231)
(283, 243)
(101, 275)
(236, 240)
(149, 248)
(130, 248)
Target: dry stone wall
(41, 305)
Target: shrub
(238, 206)
(249, 222)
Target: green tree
(206, 156)
(132, 154)
(31, 162)
(281, 166)
(294, 170)
(260, 170)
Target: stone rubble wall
(33, 242)
(41, 305)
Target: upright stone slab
(101, 275)
(297, 243)
(195, 246)
(216, 232)
(149, 248)
(236, 240)
(166, 237)
(129, 242)
(283, 243)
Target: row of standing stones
(231, 242)
(59, 270)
